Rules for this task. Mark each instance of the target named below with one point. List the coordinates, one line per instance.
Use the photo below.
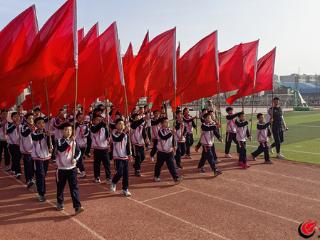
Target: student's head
(179, 115)
(61, 113)
(211, 113)
(80, 117)
(29, 118)
(165, 122)
(97, 111)
(15, 117)
(207, 118)
(146, 108)
(39, 122)
(156, 113)
(120, 124)
(37, 111)
(67, 130)
(260, 117)
(229, 110)
(141, 110)
(96, 119)
(242, 116)
(204, 110)
(118, 114)
(4, 114)
(185, 111)
(275, 101)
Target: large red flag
(44, 61)
(80, 34)
(250, 54)
(198, 68)
(230, 68)
(92, 34)
(145, 42)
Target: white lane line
(241, 205)
(312, 126)
(270, 189)
(163, 196)
(179, 219)
(81, 224)
(287, 176)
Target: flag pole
(174, 81)
(218, 84)
(31, 93)
(254, 86)
(76, 68)
(48, 110)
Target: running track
(263, 202)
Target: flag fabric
(92, 34)
(44, 61)
(230, 69)
(80, 34)
(197, 71)
(250, 54)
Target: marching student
(242, 135)
(68, 153)
(121, 155)
(100, 144)
(56, 124)
(190, 124)
(231, 134)
(147, 112)
(155, 126)
(41, 153)
(138, 139)
(88, 121)
(180, 136)
(203, 111)
(3, 140)
(165, 151)
(26, 146)
(208, 131)
(13, 133)
(263, 134)
(82, 132)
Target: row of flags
(48, 60)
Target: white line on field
(81, 224)
(163, 196)
(312, 126)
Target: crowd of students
(67, 140)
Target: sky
(290, 25)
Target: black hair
(65, 125)
(206, 115)
(14, 114)
(133, 116)
(259, 115)
(185, 109)
(78, 114)
(178, 111)
(37, 109)
(204, 109)
(240, 113)
(38, 119)
(228, 109)
(119, 120)
(155, 111)
(276, 98)
(163, 119)
(28, 115)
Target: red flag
(45, 61)
(92, 34)
(144, 43)
(178, 51)
(80, 34)
(197, 70)
(264, 81)
(250, 54)
(230, 68)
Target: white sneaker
(113, 187)
(97, 180)
(157, 179)
(152, 159)
(83, 174)
(228, 155)
(126, 193)
(280, 156)
(78, 170)
(253, 158)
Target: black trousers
(263, 148)
(15, 158)
(278, 137)
(139, 157)
(230, 137)
(207, 155)
(122, 170)
(4, 150)
(89, 142)
(189, 142)
(53, 141)
(168, 158)
(101, 155)
(28, 167)
(70, 176)
(181, 151)
(154, 147)
(41, 172)
(80, 164)
(242, 152)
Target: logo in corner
(307, 228)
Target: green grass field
(301, 141)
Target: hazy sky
(291, 25)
